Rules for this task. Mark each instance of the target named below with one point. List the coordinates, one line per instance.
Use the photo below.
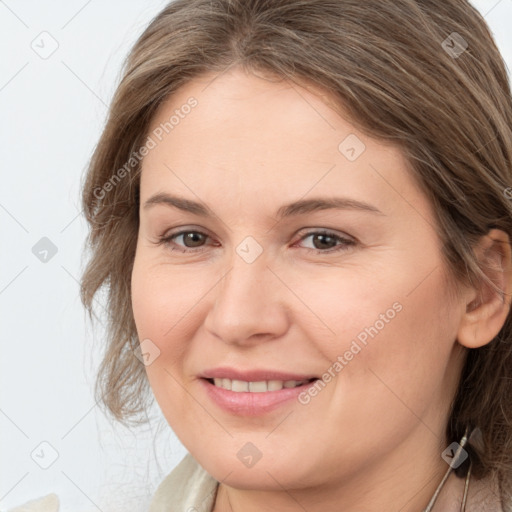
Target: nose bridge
(246, 299)
(244, 282)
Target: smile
(253, 392)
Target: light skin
(372, 439)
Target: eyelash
(167, 240)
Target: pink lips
(247, 403)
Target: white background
(52, 112)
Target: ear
(487, 310)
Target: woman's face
(297, 248)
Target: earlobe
(486, 309)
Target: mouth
(253, 393)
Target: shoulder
(48, 503)
(187, 487)
(484, 495)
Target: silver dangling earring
(433, 500)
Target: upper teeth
(257, 387)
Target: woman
(301, 213)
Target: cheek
(395, 350)
(403, 344)
(163, 305)
(385, 334)
(163, 302)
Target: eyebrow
(296, 208)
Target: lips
(253, 392)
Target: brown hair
(403, 73)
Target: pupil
(323, 239)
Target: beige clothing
(189, 488)
(483, 496)
(48, 503)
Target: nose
(248, 305)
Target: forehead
(236, 110)
(264, 139)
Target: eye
(192, 240)
(327, 241)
